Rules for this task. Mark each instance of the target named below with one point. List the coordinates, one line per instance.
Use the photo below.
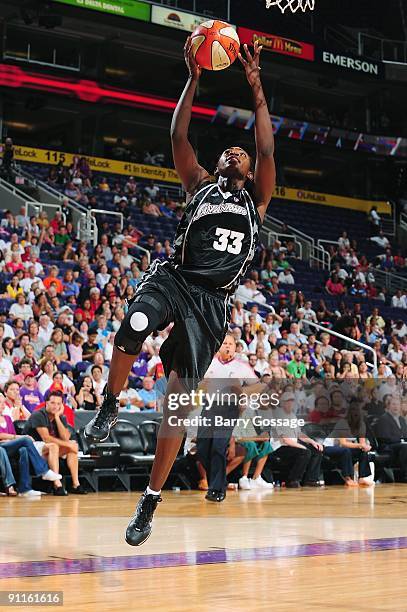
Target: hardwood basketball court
(332, 548)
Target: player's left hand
(251, 63)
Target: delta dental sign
(348, 62)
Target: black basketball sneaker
(140, 526)
(98, 429)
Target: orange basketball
(215, 45)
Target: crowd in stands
(63, 300)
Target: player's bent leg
(142, 318)
(168, 445)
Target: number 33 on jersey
(217, 237)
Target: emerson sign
(359, 65)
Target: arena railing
(365, 347)
(40, 206)
(275, 235)
(331, 332)
(389, 280)
(15, 191)
(80, 215)
(308, 242)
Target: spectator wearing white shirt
(108, 350)
(21, 310)
(295, 338)
(153, 361)
(374, 216)
(237, 334)
(286, 278)
(46, 327)
(103, 276)
(27, 282)
(381, 240)
(248, 292)
(97, 379)
(6, 369)
(8, 331)
(340, 272)
(260, 339)
(106, 250)
(125, 259)
(351, 259)
(129, 399)
(272, 324)
(343, 242)
(152, 191)
(239, 316)
(33, 261)
(309, 313)
(399, 300)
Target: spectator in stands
(13, 288)
(285, 277)
(6, 369)
(13, 405)
(87, 398)
(399, 300)
(391, 432)
(152, 190)
(20, 309)
(343, 242)
(350, 432)
(257, 447)
(98, 381)
(381, 240)
(374, 220)
(129, 399)
(335, 286)
(49, 425)
(248, 292)
(52, 279)
(29, 392)
(23, 447)
(24, 368)
(296, 368)
(148, 394)
(60, 348)
(293, 446)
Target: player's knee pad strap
(142, 318)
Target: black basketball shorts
(201, 317)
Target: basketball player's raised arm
(186, 163)
(265, 171)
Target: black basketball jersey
(216, 238)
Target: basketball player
(214, 245)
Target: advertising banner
(350, 63)
(97, 164)
(278, 44)
(179, 20)
(169, 175)
(124, 8)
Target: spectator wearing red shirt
(85, 313)
(94, 298)
(334, 286)
(56, 222)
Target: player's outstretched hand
(195, 71)
(251, 63)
